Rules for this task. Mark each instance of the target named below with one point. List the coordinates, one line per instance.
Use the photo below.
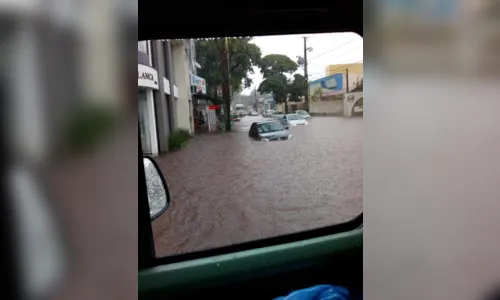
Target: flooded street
(228, 188)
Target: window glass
(228, 188)
(270, 127)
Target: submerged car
(254, 113)
(278, 115)
(269, 131)
(303, 113)
(294, 120)
(268, 113)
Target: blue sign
(331, 83)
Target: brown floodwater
(228, 188)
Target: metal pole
(305, 74)
(224, 58)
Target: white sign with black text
(147, 77)
(166, 85)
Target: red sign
(213, 107)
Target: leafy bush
(88, 126)
(178, 138)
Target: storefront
(211, 109)
(147, 83)
(199, 106)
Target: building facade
(165, 75)
(328, 94)
(354, 71)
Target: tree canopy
(274, 69)
(243, 55)
(316, 95)
(276, 84)
(274, 64)
(298, 88)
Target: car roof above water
(268, 121)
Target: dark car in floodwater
(269, 131)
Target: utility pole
(224, 58)
(255, 102)
(347, 80)
(306, 49)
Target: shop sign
(147, 77)
(214, 107)
(166, 86)
(198, 84)
(176, 91)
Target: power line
(321, 73)
(333, 49)
(345, 53)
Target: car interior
(268, 268)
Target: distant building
(334, 85)
(355, 73)
(269, 102)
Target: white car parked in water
(303, 113)
(294, 120)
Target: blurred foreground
(68, 76)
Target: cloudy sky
(328, 49)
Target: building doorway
(144, 125)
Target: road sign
(213, 107)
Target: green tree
(316, 95)
(277, 85)
(274, 68)
(243, 55)
(274, 64)
(358, 86)
(298, 88)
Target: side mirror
(287, 127)
(158, 194)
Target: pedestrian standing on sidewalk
(202, 118)
(195, 117)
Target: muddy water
(227, 188)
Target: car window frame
(146, 250)
(147, 256)
(253, 130)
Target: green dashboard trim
(227, 266)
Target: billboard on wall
(330, 85)
(198, 84)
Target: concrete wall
(291, 106)
(350, 101)
(335, 107)
(182, 80)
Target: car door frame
(163, 273)
(284, 121)
(253, 132)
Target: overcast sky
(328, 49)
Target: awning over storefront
(211, 99)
